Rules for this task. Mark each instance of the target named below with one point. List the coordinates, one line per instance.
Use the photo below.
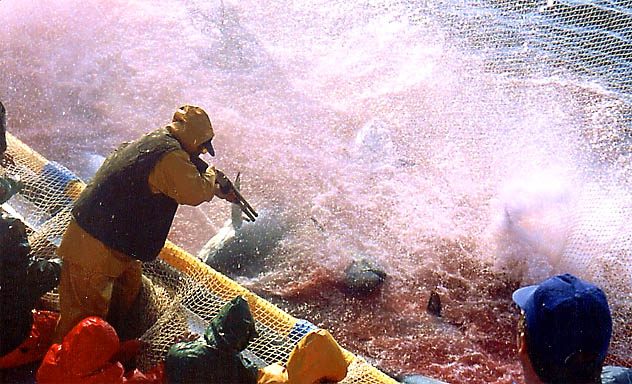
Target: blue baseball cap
(565, 316)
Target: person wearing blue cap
(564, 333)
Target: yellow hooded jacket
(93, 273)
(317, 357)
(175, 175)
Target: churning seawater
(408, 132)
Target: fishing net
(180, 294)
(576, 223)
(586, 235)
(521, 44)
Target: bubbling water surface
(364, 123)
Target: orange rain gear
(36, 344)
(88, 355)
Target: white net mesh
(599, 248)
(573, 54)
(180, 294)
(575, 221)
(582, 49)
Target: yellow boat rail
(180, 292)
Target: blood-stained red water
(373, 136)
(472, 341)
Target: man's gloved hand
(225, 189)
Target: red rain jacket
(34, 347)
(88, 355)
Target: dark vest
(118, 208)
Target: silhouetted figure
(9, 184)
(23, 280)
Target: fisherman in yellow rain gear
(218, 358)
(123, 216)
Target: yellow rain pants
(93, 276)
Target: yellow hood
(192, 127)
